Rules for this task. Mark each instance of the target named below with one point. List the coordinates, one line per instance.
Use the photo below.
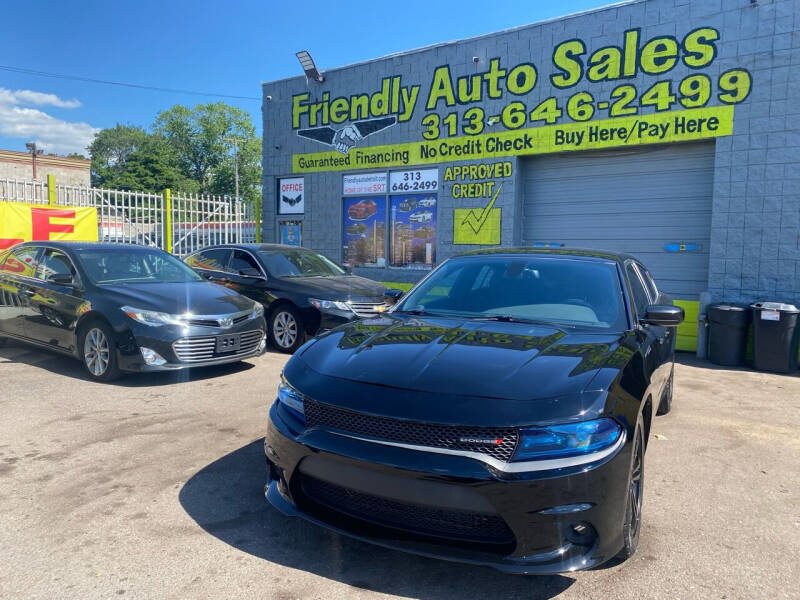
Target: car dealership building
(663, 128)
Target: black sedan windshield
(560, 290)
(134, 266)
(299, 263)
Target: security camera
(269, 97)
(476, 60)
(277, 147)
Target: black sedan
(498, 414)
(121, 307)
(303, 292)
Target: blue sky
(207, 46)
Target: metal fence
(178, 223)
(18, 190)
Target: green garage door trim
(634, 201)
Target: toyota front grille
(197, 349)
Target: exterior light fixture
(309, 68)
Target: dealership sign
(456, 123)
(35, 222)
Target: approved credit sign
(657, 128)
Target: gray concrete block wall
(755, 236)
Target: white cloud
(50, 133)
(36, 98)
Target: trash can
(775, 336)
(727, 333)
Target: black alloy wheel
(666, 401)
(633, 512)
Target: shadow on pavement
(60, 364)
(226, 499)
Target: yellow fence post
(168, 220)
(51, 190)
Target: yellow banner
(37, 222)
(656, 128)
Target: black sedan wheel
(98, 352)
(633, 512)
(286, 329)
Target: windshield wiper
(512, 319)
(412, 311)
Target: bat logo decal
(291, 201)
(349, 136)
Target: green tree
(129, 158)
(110, 149)
(204, 138)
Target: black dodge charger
(498, 414)
(120, 307)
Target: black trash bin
(775, 336)
(727, 333)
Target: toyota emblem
(226, 322)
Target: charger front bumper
(542, 543)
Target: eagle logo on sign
(348, 137)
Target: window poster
(291, 233)
(364, 231)
(291, 196)
(413, 227)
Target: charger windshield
(558, 290)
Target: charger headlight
(572, 439)
(329, 305)
(291, 399)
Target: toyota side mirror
(60, 279)
(391, 296)
(251, 272)
(663, 315)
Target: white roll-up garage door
(654, 203)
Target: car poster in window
(291, 196)
(413, 230)
(291, 233)
(364, 231)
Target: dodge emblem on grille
(225, 322)
(487, 441)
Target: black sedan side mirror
(663, 315)
(251, 272)
(60, 279)
(392, 296)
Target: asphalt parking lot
(152, 487)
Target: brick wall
(68, 171)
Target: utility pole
(31, 146)
(236, 166)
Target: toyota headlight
(258, 310)
(329, 305)
(153, 317)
